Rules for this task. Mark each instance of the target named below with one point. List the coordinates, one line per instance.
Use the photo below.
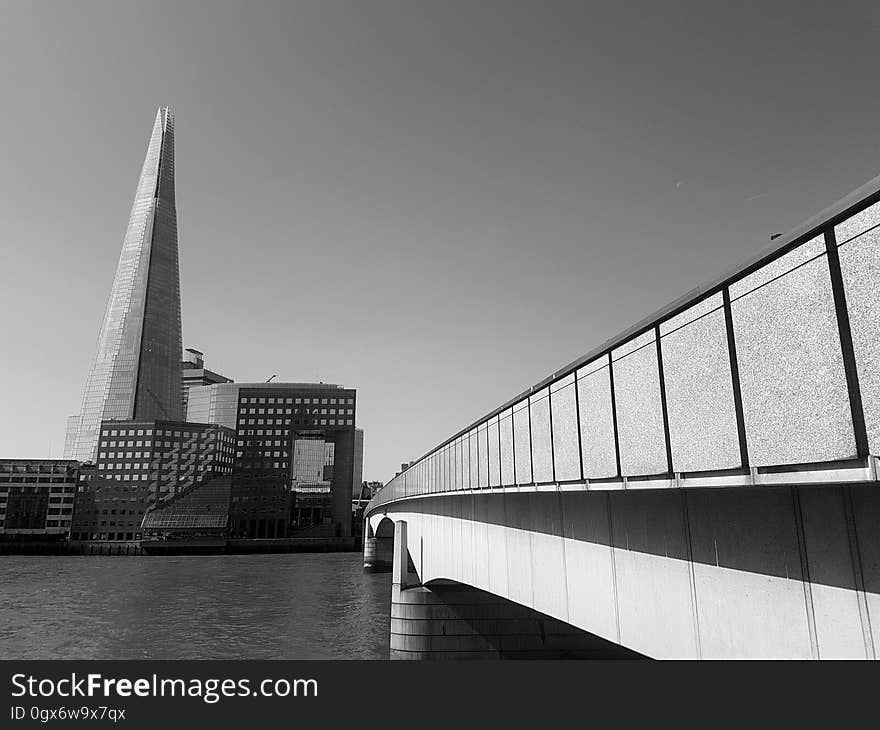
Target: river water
(289, 606)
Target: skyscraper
(136, 370)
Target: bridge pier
(378, 547)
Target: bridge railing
(775, 363)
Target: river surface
(289, 606)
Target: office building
(37, 498)
(294, 455)
(200, 512)
(135, 373)
(109, 511)
(143, 463)
(162, 457)
(194, 373)
(357, 473)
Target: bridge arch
(379, 544)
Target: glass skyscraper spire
(136, 372)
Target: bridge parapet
(770, 374)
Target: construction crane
(274, 376)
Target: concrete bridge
(704, 485)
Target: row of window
(161, 432)
(333, 401)
(106, 536)
(158, 444)
(143, 478)
(263, 465)
(114, 455)
(294, 411)
(296, 422)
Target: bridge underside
(451, 621)
(784, 572)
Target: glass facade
(135, 373)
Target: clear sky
(437, 203)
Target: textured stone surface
(857, 224)
(464, 465)
(483, 451)
(522, 443)
(597, 421)
(494, 454)
(860, 265)
(639, 411)
(702, 308)
(563, 408)
(699, 392)
(594, 366)
(542, 452)
(505, 426)
(795, 399)
(632, 345)
(783, 265)
(473, 460)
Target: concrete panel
(505, 426)
(589, 573)
(858, 224)
(566, 450)
(450, 467)
(494, 453)
(464, 463)
(747, 567)
(866, 508)
(473, 460)
(483, 455)
(519, 548)
(522, 443)
(481, 543)
(779, 267)
(542, 450)
(746, 615)
(468, 540)
(639, 410)
(597, 422)
(795, 399)
(835, 603)
(860, 266)
(656, 611)
(699, 389)
(549, 583)
(497, 545)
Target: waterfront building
(143, 463)
(194, 373)
(294, 455)
(109, 511)
(199, 512)
(37, 498)
(136, 373)
(357, 472)
(162, 457)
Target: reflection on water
(292, 606)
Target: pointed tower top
(165, 116)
